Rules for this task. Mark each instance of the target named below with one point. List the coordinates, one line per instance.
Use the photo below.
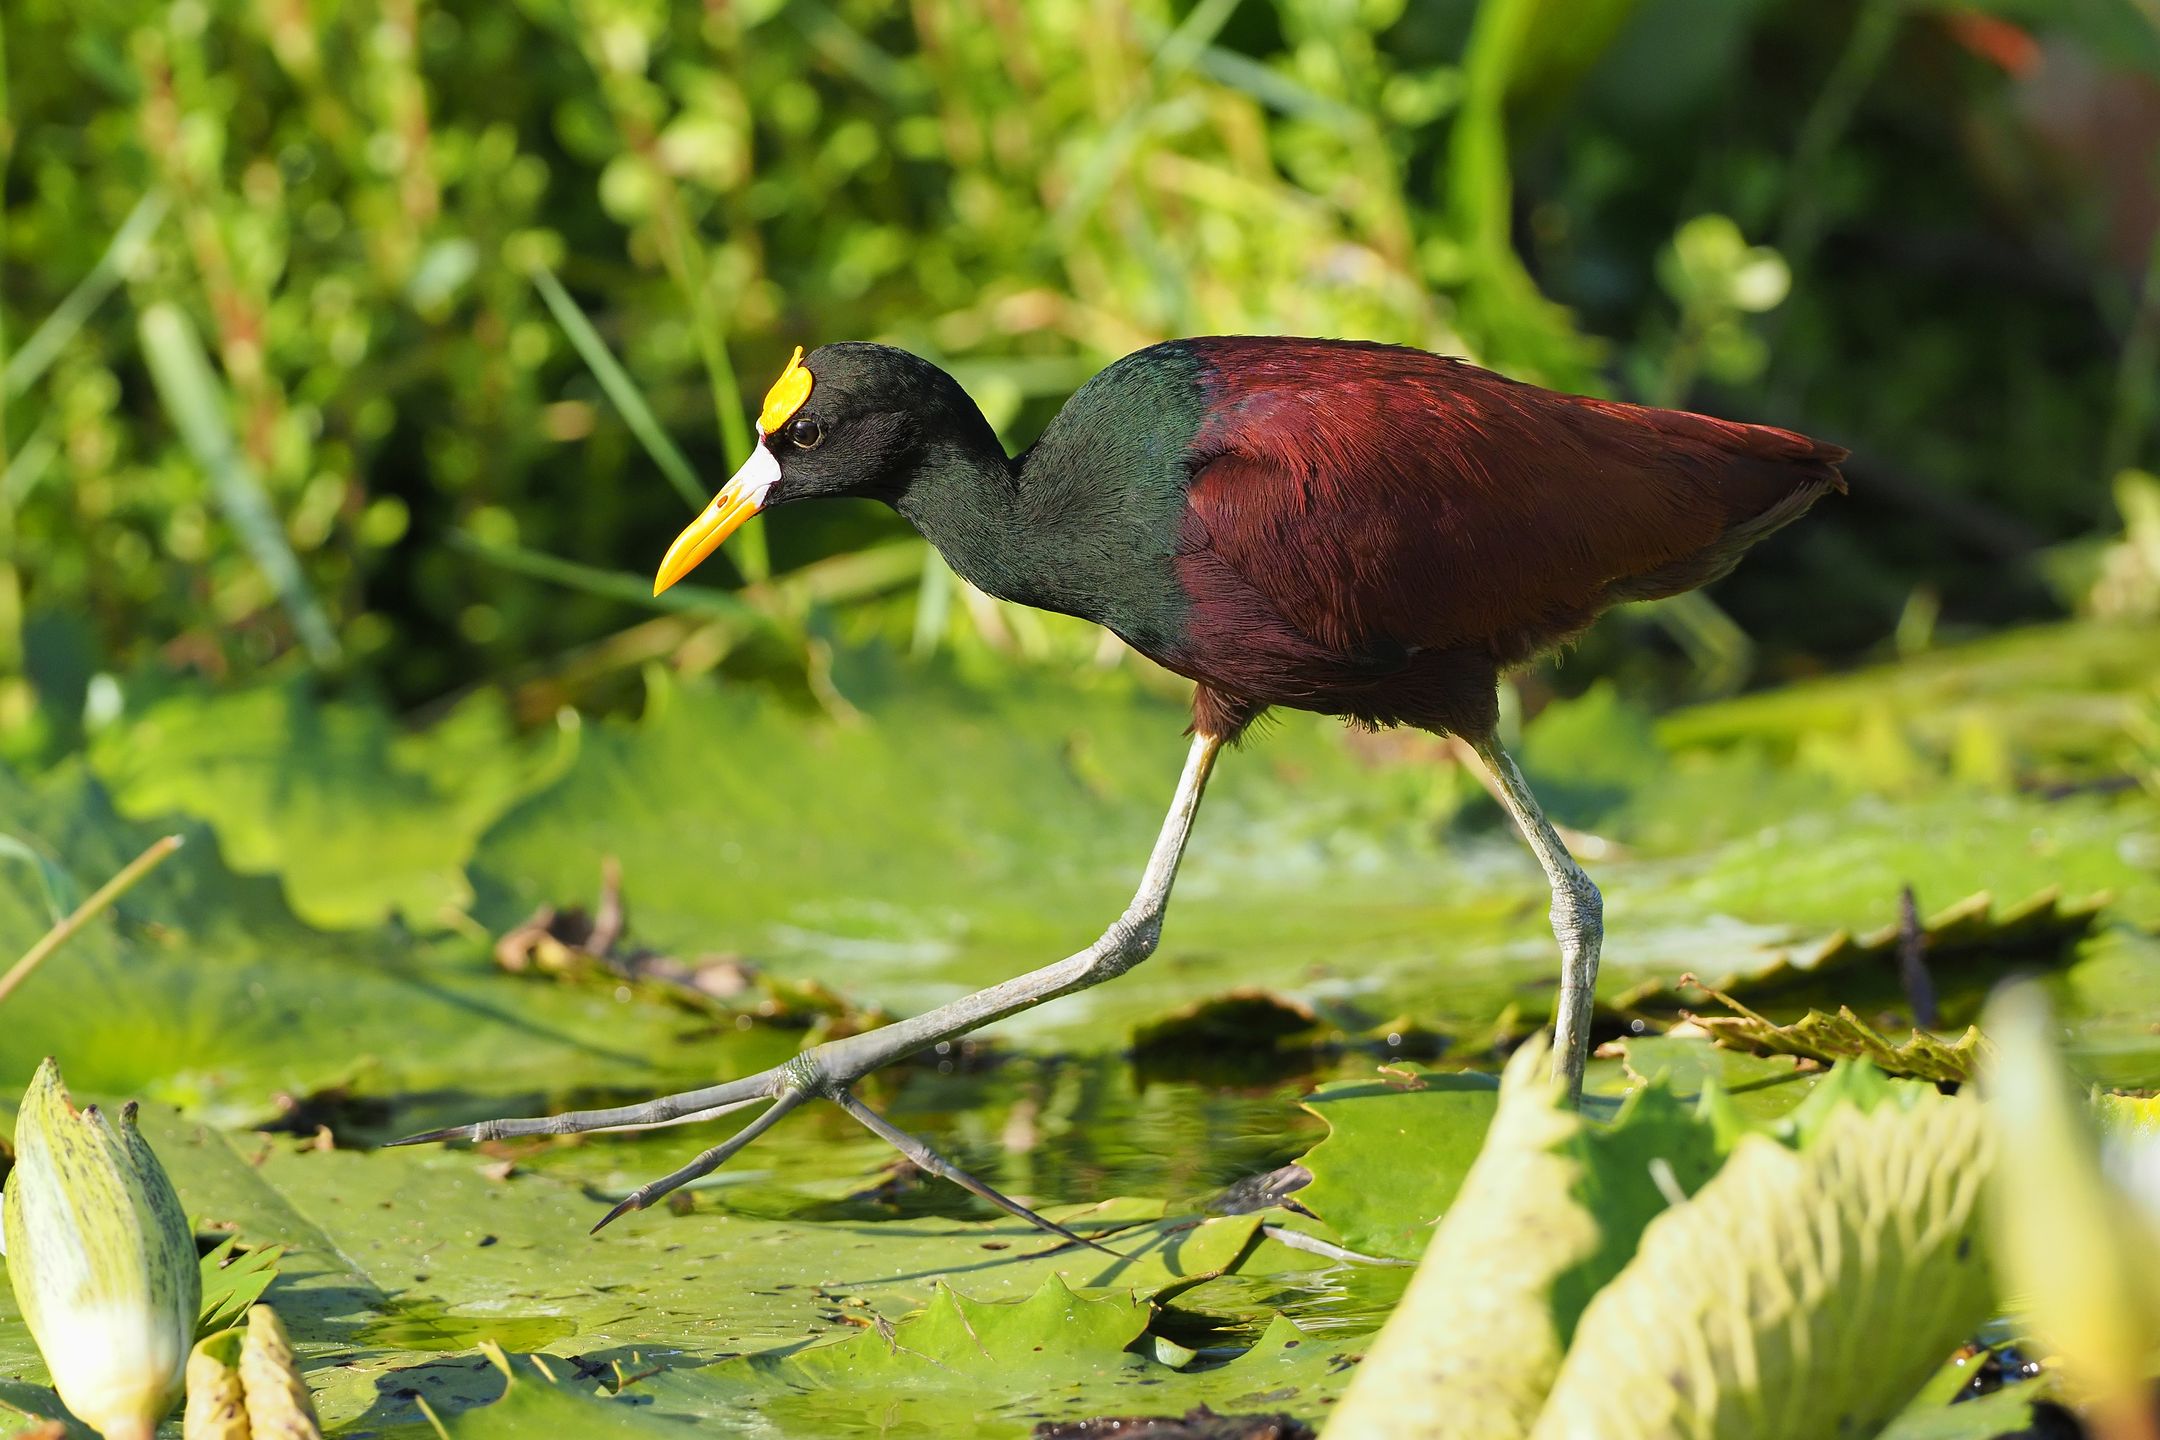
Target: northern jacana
(1357, 529)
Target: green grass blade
(1094, 176)
(195, 400)
(854, 55)
(27, 466)
(56, 884)
(46, 342)
(933, 603)
(850, 575)
(837, 579)
(609, 584)
(1194, 34)
(1278, 91)
(621, 390)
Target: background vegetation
(289, 385)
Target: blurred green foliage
(283, 388)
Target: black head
(874, 416)
(853, 419)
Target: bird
(1359, 529)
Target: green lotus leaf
(1033, 1342)
(201, 987)
(965, 1367)
(1395, 1155)
(357, 821)
(540, 1398)
(2008, 1414)
(1800, 1293)
(2042, 924)
(1549, 1211)
(402, 1261)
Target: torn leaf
(1845, 1036)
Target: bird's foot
(826, 1072)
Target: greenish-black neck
(1087, 522)
(1007, 534)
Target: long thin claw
(683, 1109)
(926, 1158)
(430, 1137)
(1314, 1245)
(706, 1163)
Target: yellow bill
(740, 499)
(744, 495)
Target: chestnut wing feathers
(1388, 500)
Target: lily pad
(1396, 1153)
(934, 1374)
(2057, 690)
(357, 822)
(1972, 927)
(958, 838)
(398, 1263)
(202, 988)
(2011, 1413)
(537, 1401)
(1688, 1064)
(958, 1343)
(33, 1410)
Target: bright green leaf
(1395, 1156)
(1550, 1210)
(1797, 1294)
(539, 1398)
(358, 822)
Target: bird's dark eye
(804, 434)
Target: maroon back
(1372, 502)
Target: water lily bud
(102, 1260)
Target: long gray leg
(828, 1070)
(1578, 917)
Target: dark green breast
(1094, 506)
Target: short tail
(1766, 478)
